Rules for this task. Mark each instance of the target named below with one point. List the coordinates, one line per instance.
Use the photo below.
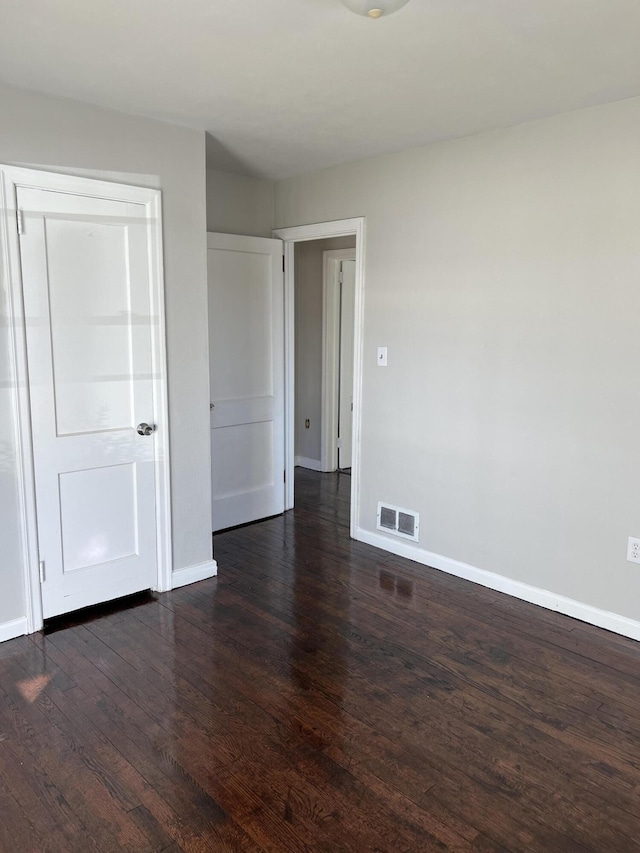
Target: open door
(246, 333)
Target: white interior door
(347, 319)
(246, 334)
(86, 280)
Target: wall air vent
(401, 522)
(387, 517)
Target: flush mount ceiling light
(374, 8)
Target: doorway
(86, 309)
(323, 352)
(354, 231)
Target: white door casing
(89, 273)
(345, 406)
(246, 335)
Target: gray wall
(237, 204)
(308, 336)
(502, 272)
(65, 136)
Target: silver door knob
(145, 429)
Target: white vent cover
(401, 522)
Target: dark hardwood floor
(320, 695)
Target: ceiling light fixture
(374, 8)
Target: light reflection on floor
(33, 687)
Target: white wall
(502, 272)
(308, 338)
(238, 204)
(65, 136)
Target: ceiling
(287, 86)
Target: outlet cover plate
(633, 550)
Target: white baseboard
(312, 464)
(534, 595)
(13, 629)
(193, 574)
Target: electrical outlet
(633, 550)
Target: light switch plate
(382, 356)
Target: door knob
(145, 429)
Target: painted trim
(330, 404)
(311, 464)
(289, 373)
(13, 629)
(10, 251)
(193, 574)
(321, 231)
(12, 178)
(164, 536)
(516, 589)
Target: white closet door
(246, 332)
(86, 280)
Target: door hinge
(283, 263)
(41, 567)
(19, 222)
(339, 444)
(340, 278)
(285, 475)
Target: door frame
(331, 262)
(298, 234)
(11, 179)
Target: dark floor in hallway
(320, 695)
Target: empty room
(319, 431)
